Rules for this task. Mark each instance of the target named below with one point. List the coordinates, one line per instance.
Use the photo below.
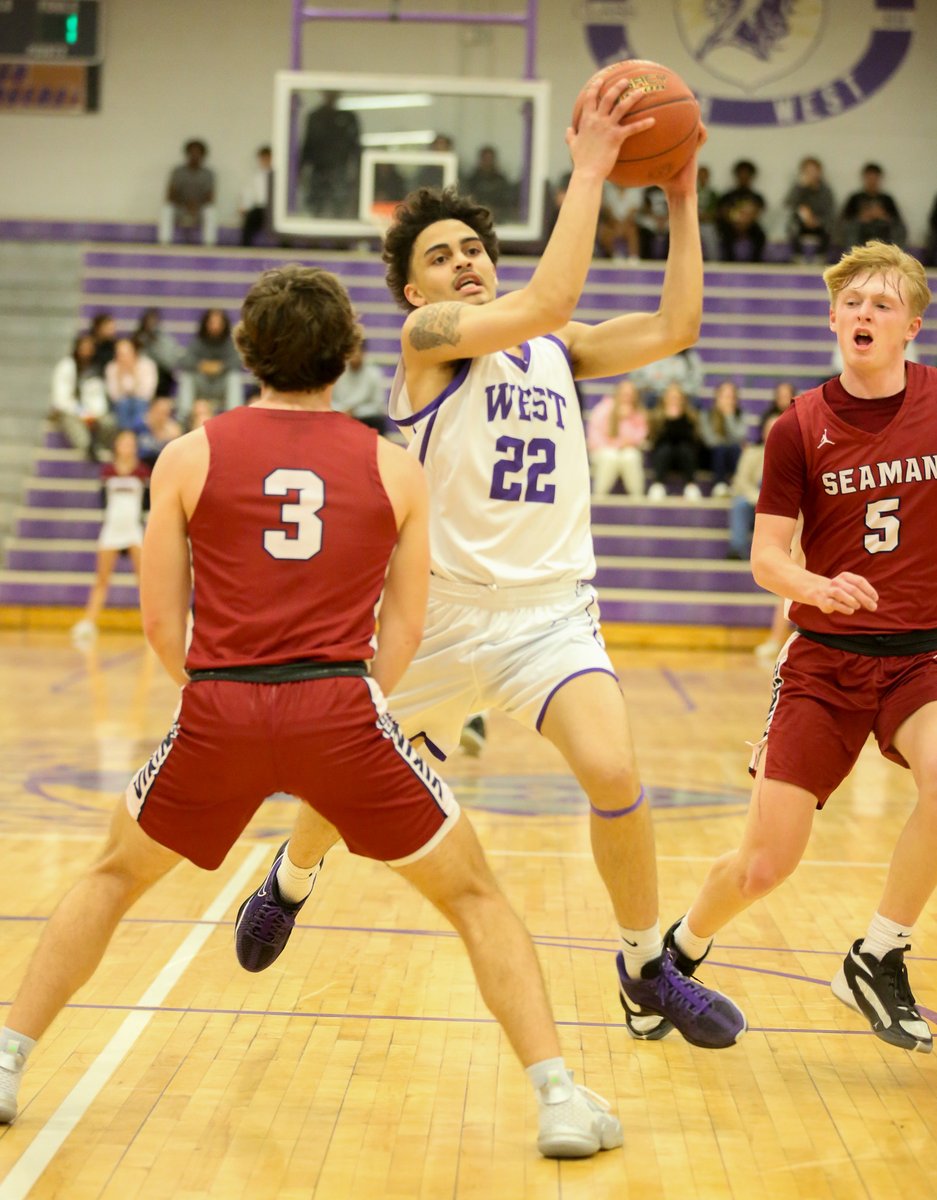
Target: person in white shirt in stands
(254, 209)
(79, 400)
(361, 392)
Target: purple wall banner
(753, 45)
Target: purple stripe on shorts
(585, 671)
(430, 745)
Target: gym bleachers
(658, 563)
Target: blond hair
(880, 258)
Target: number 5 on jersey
(305, 540)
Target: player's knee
(611, 784)
(762, 873)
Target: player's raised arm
(452, 282)
(635, 339)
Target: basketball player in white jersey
(485, 392)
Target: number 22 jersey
(504, 452)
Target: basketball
(658, 153)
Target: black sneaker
(683, 961)
(473, 736)
(704, 1017)
(265, 922)
(880, 991)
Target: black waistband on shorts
(289, 672)
(877, 645)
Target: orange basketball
(657, 154)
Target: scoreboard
(51, 31)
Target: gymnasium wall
(851, 80)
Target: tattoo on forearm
(437, 325)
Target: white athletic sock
(15, 1048)
(549, 1071)
(885, 935)
(295, 883)
(692, 946)
(640, 946)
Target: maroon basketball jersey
(870, 507)
(290, 540)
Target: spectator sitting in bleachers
(79, 400)
(130, 379)
(871, 214)
(811, 212)
(617, 229)
(675, 444)
(708, 204)
(190, 198)
(723, 432)
(361, 391)
(930, 246)
(255, 200)
(153, 341)
(488, 185)
(159, 429)
(741, 237)
(202, 411)
(746, 484)
(210, 367)
(653, 222)
(616, 433)
(784, 393)
(685, 369)
(104, 331)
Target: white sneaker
(720, 490)
(574, 1122)
(84, 631)
(767, 652)
(656, 491)
(692, 492)
(11, 1074)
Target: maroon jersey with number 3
(870, 507)
(290, 540)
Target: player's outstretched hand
(845, 593)
(684, 182)
(598, 139)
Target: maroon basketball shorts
(328, 741)
(827, 701)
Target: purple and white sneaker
(704, 1017)
(264, 922)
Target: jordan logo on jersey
(826, 440)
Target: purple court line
(557, 940)
(678, 687)
(447, 1020)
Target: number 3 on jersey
(880, 516)
(305, 541)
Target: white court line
(30, 1165)
(675, 858)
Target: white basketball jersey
(505, 457)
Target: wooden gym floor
(363, 1063)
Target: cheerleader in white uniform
(124, 485)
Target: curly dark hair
(423, 208)
(297, 328)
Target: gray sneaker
(574, 1122)
(11, 1074)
